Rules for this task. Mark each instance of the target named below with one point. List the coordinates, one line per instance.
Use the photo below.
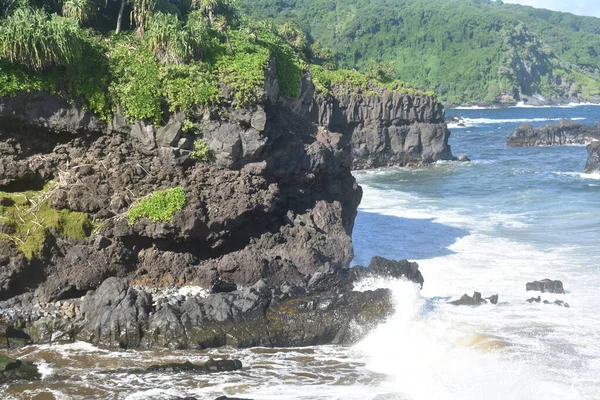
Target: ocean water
(510, 216)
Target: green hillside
(468, 51)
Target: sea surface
(510, 216)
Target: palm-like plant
(208, 7)
(78, 9)
(33, 38)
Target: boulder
(593, 160)
(12, 370)
(546, 285)
(383, 267)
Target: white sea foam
(470, 122)
(45, 369)
(595, 176)
(426, 356)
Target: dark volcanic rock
(117, 315)
(535, 299)
(593, 161)
(383, 267)
(546, 285)
(565, 132)
(474, 301)
(211, 366)
(383, 129)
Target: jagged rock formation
(119, 315)
(565, 132)
(384, 128)
(593, 161)
(271, 214)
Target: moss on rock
(28, 218)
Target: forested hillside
(467, 51)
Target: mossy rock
(11, 369)
(7, 363)
(29, 226)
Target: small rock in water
(546, 285)
(493, 299)
(536, 299)
(474, 301)
(463, 158)
(208, 367)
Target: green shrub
(135, 80)
(160, 206)
(188, 86)
(201, 151)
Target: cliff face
(565, 132)
(278, 202)
(272, 212)
(383, 128)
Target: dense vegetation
(174, 55)
(465, 50)
(177, 55)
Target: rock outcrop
(327, 310)
(383, 128)
(474, 301)
(546, 286)
(564, 133)
(266, 224)
(593, 160)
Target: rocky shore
(265, 224)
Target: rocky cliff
(384, 128)
(592, 165)
(563, 133)
(271, 213)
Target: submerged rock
(546, 285)
(210, 366)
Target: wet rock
(565, 132)
(210, 366)
(493, 299)
(12, 370)
(546, 285)
(474, 301)
(534, 299)
(559, 303)
(383, 267)
(593, 161)
(463, 158)
(114, 314)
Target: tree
(220, 13)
